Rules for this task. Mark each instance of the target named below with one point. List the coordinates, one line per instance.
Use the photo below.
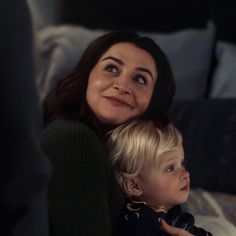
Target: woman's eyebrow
(119, 61)
(145, 70)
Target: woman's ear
(131, 187)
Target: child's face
(167, 183)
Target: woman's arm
(79, 192)
(173, 230)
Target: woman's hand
(173, 230)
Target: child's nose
(185, 173)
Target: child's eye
(140, 79)
(111, 69)
(170, 168)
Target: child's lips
(185, 188)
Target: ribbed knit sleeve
(79, 192)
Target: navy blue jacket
(139, 219)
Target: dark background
(152, 15)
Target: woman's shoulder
(66, 140)
(59, 126)
(61, 131)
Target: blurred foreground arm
(24, 171)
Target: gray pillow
(189, 52)
(224, 77)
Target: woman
(120, 76)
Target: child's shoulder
(140, 219)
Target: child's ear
(131, 187)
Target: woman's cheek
(144, 103)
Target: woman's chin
(114, 120)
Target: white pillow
(213, 211)
(58, 49)
(189, 52)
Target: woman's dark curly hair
(68, 99)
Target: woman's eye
(170, 168)
(140, 79)
(111, 69)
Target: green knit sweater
(84, 197)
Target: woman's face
(121, 84)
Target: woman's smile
(118, 102)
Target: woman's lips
(117, 101)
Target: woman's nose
(121, 84)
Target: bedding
(213, 211)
